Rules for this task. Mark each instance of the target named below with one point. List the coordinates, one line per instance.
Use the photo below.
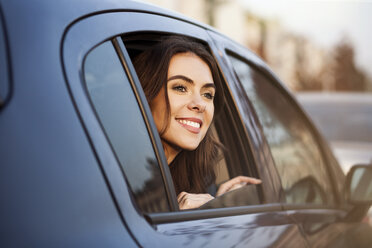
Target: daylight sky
(324, 21)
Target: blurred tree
(347, 77)
(338, 73)
(307, 80)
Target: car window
(121, 117)
(4, 81)
(117, 108)
(297, 155)
(236, 159)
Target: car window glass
(296, 153)
(119, 113)
(4, 81)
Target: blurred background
(321, 49)
(312, 45)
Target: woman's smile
(191, 124)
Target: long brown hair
(192, 171)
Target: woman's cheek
(210, 114)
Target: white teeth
(190, 123)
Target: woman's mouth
(191, 124)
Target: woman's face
(190, 92)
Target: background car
(81, 161)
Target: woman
(182, 85)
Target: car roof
(60, 12)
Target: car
(345, 120)
(82, 165)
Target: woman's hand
(236, 183)
(188, 200)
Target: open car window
(236, 159)
(117, 108)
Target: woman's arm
(189, 201)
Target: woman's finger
(236, 182)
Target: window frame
(78, 40)
(319, 141)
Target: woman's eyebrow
(209, 85)
(189, 80)
(181, 77)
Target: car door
(97, 54)
(309, 176)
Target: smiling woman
(183, 87)
(190, 90)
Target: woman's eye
(180, 88)
(208, 96)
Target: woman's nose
(197, 104)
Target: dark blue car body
(61, 182)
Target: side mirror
(359, 185)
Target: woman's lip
(188, 127)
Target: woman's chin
(183, 143)
(189, 147)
